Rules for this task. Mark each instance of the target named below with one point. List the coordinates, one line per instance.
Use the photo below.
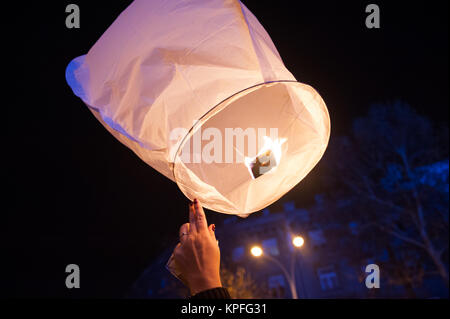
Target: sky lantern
(199, 92)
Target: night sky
(77, 195)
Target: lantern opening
(261, 168)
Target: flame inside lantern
(267, 158)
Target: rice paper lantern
(189, 86)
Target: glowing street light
(256, 251)
(298, 241)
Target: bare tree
(395, 165)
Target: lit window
(270, 246)
(302, 215)
(238, 253)
(353, 226)
(328, 278)
(289, 206)
(317, 238)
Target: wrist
(203, 284)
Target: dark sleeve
(215, 293)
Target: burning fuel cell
(263, 164)
(267, 159)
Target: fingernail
(213, 227)
(195, 201)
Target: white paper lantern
(199, 92)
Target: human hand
(197, 256)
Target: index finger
(192, 225)
(200, 217)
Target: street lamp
(298, 242)
(256, 251)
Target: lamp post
(298, 242)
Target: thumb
(212, 229)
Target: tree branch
(402, 237)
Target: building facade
(316, 270)
(330, 264)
